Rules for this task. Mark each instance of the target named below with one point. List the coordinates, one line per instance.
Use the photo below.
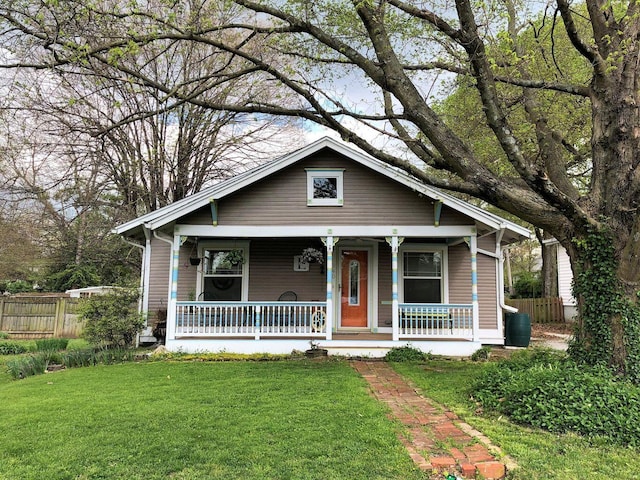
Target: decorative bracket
(395, 242)
(214, 211)
(437, 211)
(329, 242)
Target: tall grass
(48, 344)
(37, 363)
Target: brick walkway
(436, 439)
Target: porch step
(356, 351)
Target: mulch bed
(542, 330)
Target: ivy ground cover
(539, 454)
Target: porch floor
(430, 426)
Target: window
(223, 274)
(324, 187)
(354, 282)
(422, 277)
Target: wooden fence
(39, 317)
(540, 310)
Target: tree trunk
(549, 270)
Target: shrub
(111, 319)
(481, 354)
(406, 353)
(549, 391)
(11, 348)
(528, 285)
(46, 344)
(4, 335)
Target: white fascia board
(344, 231)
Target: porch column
(473, 247)
(395, 308)
(329, 242)
(173, 288)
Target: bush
(528, 285)
(481, 354)
(549, 391)
(11, 348)
(4, 335)
(405, 354)
(18, 286)
(111, 319)
(46, 344)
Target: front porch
(281, 327)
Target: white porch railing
(308, 320)
(435, 320)
(251, 319)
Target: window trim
(224, 245)
(425, 248)
(338, 174)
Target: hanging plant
(235, 257)
(193, 256)
(312, 255)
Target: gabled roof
(180, 208)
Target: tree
(397, 49)
(96, 150)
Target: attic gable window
(325, 187)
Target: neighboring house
(400, 261)
(565, 280)
(89, 291)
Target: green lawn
(540, 455)
(253, 420)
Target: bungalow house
(325, 245)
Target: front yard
(293, 419)
(282, 420)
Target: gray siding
(369, 199)
(159, 275)
(384, 285)
(187, 275)
(460, 283)
(271, 271)
(487, 292)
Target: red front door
(354, 288)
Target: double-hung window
(223, 274)
(423, 276)
(325, 187)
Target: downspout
(501, 251)
(141, 297)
